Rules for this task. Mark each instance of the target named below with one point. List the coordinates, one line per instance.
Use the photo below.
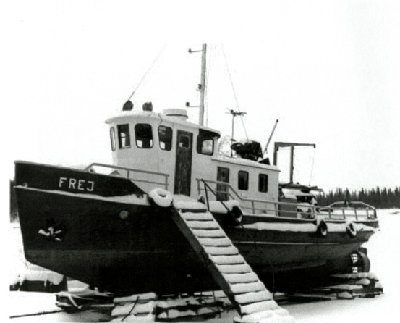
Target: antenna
(202, 86)
(234, 115)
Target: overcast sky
(328, 70)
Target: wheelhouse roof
(142, 116)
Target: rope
(233, 90)
(147, 72)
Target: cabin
(165, 150)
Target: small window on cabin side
(123, 136)
(222, 192)
(112, 137)
(205, 142)
(184, 141)
(243, 180)
(263, 183)
(143, 135)
(165, 137)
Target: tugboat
(112, 225)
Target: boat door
(183, 166)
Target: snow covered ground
(383, 250)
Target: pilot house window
(243, 180)
(263, 183)
(143, 135)
(165, 137)
(123, 136)
(205, 142)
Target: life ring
(236, 214)
(351, 230)
(161, 197)
(322, 228)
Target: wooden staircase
(228, 267)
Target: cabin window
(165, 137)
(143, 135)
(205, 142)
(184, 141)
(123, 136)
(263, 183)
(223, 189)
(112, 137)
(243, 180)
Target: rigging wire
(233, 90)
(312, 167)
(147, 71)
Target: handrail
(132, 170)
(314, 209)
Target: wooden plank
(209, 233)
(203, 216)
(227, 260)
(204, 225)
(246, 288)
(220, 251)
(234, 269)
(241, 278)
(258, 307)
(253, 297)
(215, 242)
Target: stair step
(253, 297)
(234, 269)
(241, 278)
(210, 242)
(227, 260)
(258, 307)
(247, 287)
(197, 216)
(209, 233)
(203, 225)
(215, 251)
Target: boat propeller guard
(161, 197)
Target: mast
(202, 85)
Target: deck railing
(263, 206)
(160, 178)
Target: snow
(258, 307)
(227, 260)
(220, 242)
(136, 298)
(234, 269)
(247, 287)
(222, 250)
(241, 278)
(253, 297)
(132, 308)
(383, 250)
(187, 203)
(203, 224)
(209, 233)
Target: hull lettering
(75, 184)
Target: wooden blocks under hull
(228, 267)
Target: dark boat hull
(124, 246)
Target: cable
(147, 72)
(233, 90)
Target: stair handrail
(133, 170)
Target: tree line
(382, 198)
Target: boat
(112, 225)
